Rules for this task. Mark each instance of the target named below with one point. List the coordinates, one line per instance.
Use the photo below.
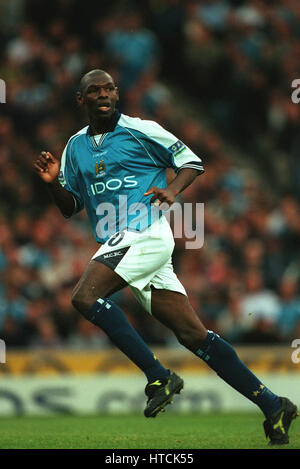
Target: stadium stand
(216, 74)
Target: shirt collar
(111, 123)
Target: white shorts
(143, 259)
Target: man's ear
(117, 93)
(79, 98)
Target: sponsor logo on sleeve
(177, 148)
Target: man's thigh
(164, 279)
(174, 310)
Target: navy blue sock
(109, 317)
(222, 358)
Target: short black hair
(91, 73)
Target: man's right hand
(47, 167)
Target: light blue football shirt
(109, 174)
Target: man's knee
(191, 337)
(98, 281)
(81, 301)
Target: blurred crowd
(218, 75)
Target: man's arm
(183, 179)
(48, 167)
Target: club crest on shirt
(100, 168)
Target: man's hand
(161, 196)
(183, 179)
(47, 167)
(167, 195)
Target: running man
(115, 167)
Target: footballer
(115, 168)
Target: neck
(101, 126)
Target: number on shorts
(116, 238)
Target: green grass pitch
(173, 431)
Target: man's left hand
(166, 195)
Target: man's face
(99, 95)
